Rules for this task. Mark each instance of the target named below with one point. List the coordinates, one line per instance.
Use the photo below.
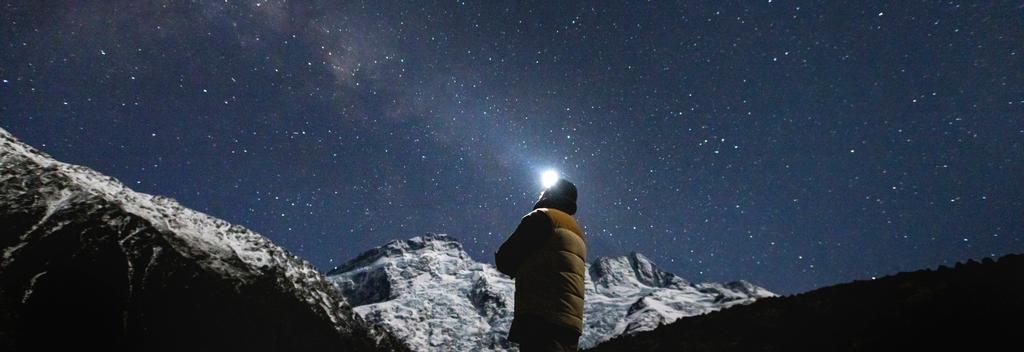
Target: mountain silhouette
(972, 306)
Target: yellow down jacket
(546, 256)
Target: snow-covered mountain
(89, 261)
(433, 296)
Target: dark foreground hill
(973, 306)
(89, 264)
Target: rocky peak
(430, 293)
(627, 274)
(385, 272)
(440, 244)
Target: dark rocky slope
(87, 262)
(973, 306)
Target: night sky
(791, 144)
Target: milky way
(791, 144)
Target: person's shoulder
(555, 213)
(537, 215)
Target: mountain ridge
(115, 269)
(963, 307)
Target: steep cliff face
(435, 297)
(89, 261)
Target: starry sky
(794, 144)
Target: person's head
(561, 196)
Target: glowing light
(548, 178)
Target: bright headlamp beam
(548, 178)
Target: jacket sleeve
(522, 243)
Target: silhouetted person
(546, 256)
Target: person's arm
(524, 240)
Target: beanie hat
(561, 196)
(562, 188)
